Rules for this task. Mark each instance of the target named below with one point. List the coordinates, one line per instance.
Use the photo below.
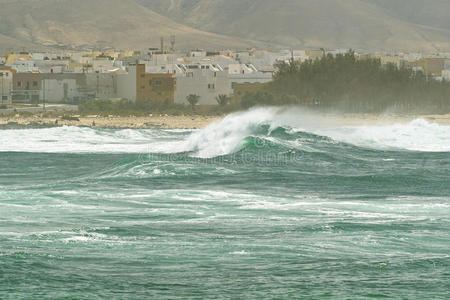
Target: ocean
(265, 204)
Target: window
(4, 98)
(215, 74)
(150, 82)
(142, 75)
(35, 83)
(158, 82)
(142, 87)
(211, 86)
(19, 83)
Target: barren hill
(370, 24)
(420, 25)
(118, 23)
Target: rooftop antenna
(292, 62)
(172, 43)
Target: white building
(446, 75)
(447, 64)
(197, 53)
(247, 73)
(102, 65)
(126, 84)
(52, 66)
(206, 81)
(62, 88)
(24, 66)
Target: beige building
(6, 83)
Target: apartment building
(154, 87)
(206, 81)
(26, 88)
(6, 82)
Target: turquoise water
(252, 207)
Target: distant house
(248, 73)
(446, 75)
(431, 66)
(205, 80)
(447, 64)
(6, 83)
(63, 87)
(154, 87)
(26, 88)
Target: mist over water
(229, 135)
(269, 203)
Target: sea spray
(230, 135)
(100, 213)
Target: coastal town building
(26, 88)
(154, 87)
(156, 76)
(446, 75)
(431, 66)
(63, 88)
(447, 64)
(6, 82)
(207, 81)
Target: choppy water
(265, 204)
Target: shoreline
(111, 122)
(189, 122)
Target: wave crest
(257, 128)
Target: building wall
(153, 87)
(101, 85)
(447, 64)
(432, 66)
(62, 88)
(126, 84)
(446, 75)
(59, 91)
(258, 77)
(26, 87)
(6, 84)
(102, 65)
(395, 60)
(206, 83)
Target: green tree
(223, 100)
(354, 84)
(193, 100)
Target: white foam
(86, 140)
(418, 135)
(226, 136)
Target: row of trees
(350, 84)
(193, 100)
(127, 107)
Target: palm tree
(222, 100)
(193, 100)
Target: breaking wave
(299, 130)
(256, 128)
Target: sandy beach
(191, 122)
(151, 121)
